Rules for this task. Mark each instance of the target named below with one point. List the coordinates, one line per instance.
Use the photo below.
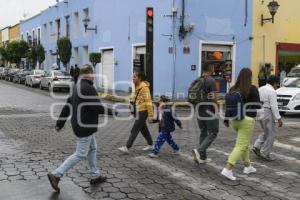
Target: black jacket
(255, 99)
(84, 123)
(168, 120)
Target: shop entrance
(288, 56)
(221, 57)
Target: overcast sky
(12, 11)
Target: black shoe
(256, 151)
(97, 180)
(54, 181)
(267, 158)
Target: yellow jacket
(143, 100)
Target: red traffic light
(150, 12)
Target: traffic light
(149, 45)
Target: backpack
(234, 106)
(197, 93)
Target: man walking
(263, 145)
(207, 122)
(84, 107)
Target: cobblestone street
(30, 148)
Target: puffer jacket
(143, 100)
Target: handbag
(133, 104)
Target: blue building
(187, 34)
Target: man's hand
(280, 123)
(226, 123)
(150, 121)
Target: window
(51, 33)
(39, 36)
(67, 26)
(76, 24)
(33, 37)
(22, 36)
(85, 16)
(58, 28)
(45, 32)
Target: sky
(12, 11)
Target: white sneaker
(147, 148)
(208, 160)
(152, 155)
(124, 149)
(228, 174)
(196, 156)
(249, 170)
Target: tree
(32, 56)
(16, 50)
(95, 58)
(40, 53)
(64, 46)
(3, 55)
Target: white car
(292, 76)
(55, 79)
(288, 98)
(34, 78)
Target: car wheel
(41, 87)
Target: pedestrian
(76, 73)
(84, 121)
(142, 110)
(207, 122)
(166, 124)
(264, 143)
(242, 103)
(72, 71)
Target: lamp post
(86, 24)
(273, 7)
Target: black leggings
(140, 126)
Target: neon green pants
(244, 130)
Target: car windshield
(295, 72)
(38, 72)
(60, 73)
(294, 84)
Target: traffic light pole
(149, 47)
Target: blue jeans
(161, 138)
(86, 148)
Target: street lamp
(86, 24)
(273, 7)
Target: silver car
(55, 79)
(34, 78)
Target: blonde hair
(86, 69)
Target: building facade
(187, 34)
(14, 32)
(4, 36)
(276, 44)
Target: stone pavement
(30, 148)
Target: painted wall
(5, 34)
(286, 29)
(121, 26)
(14, 32)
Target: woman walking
(143, 110)
(243, 97)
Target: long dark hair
(140, 74)
(243, 82)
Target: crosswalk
(202, 185)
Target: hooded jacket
(143, 100)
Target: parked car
(293, 75)
(288, 98)
(2, 69)
(10, 74)
(34, 78)
(55, 79)
(3, 73)
(21, 76)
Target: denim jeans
(86, 148)
(209, 131)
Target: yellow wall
(286, 29)
(14, 32)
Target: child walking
(166, 126)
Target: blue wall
(120, 26)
